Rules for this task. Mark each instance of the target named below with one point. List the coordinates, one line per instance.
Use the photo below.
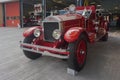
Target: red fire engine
(66, 36)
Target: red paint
(12, 11)
(68, 17)
(87, 7)
(73, 34)
(29, 31)
(91, 37)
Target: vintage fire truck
(66, 36)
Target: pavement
(103, 60)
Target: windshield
(62, 12)
(81, 12)
(65, 12)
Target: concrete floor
(103, 61)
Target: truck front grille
(49, 27)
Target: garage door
(1, 15)
(12, 14)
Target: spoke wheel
(81, 52)
(28, 54)
(78, 53)
(105, 37)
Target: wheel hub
(82, 52)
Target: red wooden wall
(12, 14)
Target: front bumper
(47, 51)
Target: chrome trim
(46, 53)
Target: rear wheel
(105, 37)
(78, 53)
(28, 54)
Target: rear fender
(73, 34)
(30, 31)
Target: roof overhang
(4, 1)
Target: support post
(21, 13)
(77, 3)
(43, 9)
(81, 2)
(4, 14)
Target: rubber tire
(28, 54)
(72, 60)
(105, 37)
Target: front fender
(73, 33)
(30, 31)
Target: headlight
(56, 34)
(37, 33)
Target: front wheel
(78, 53)
(28, 54)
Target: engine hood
(60, 18)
